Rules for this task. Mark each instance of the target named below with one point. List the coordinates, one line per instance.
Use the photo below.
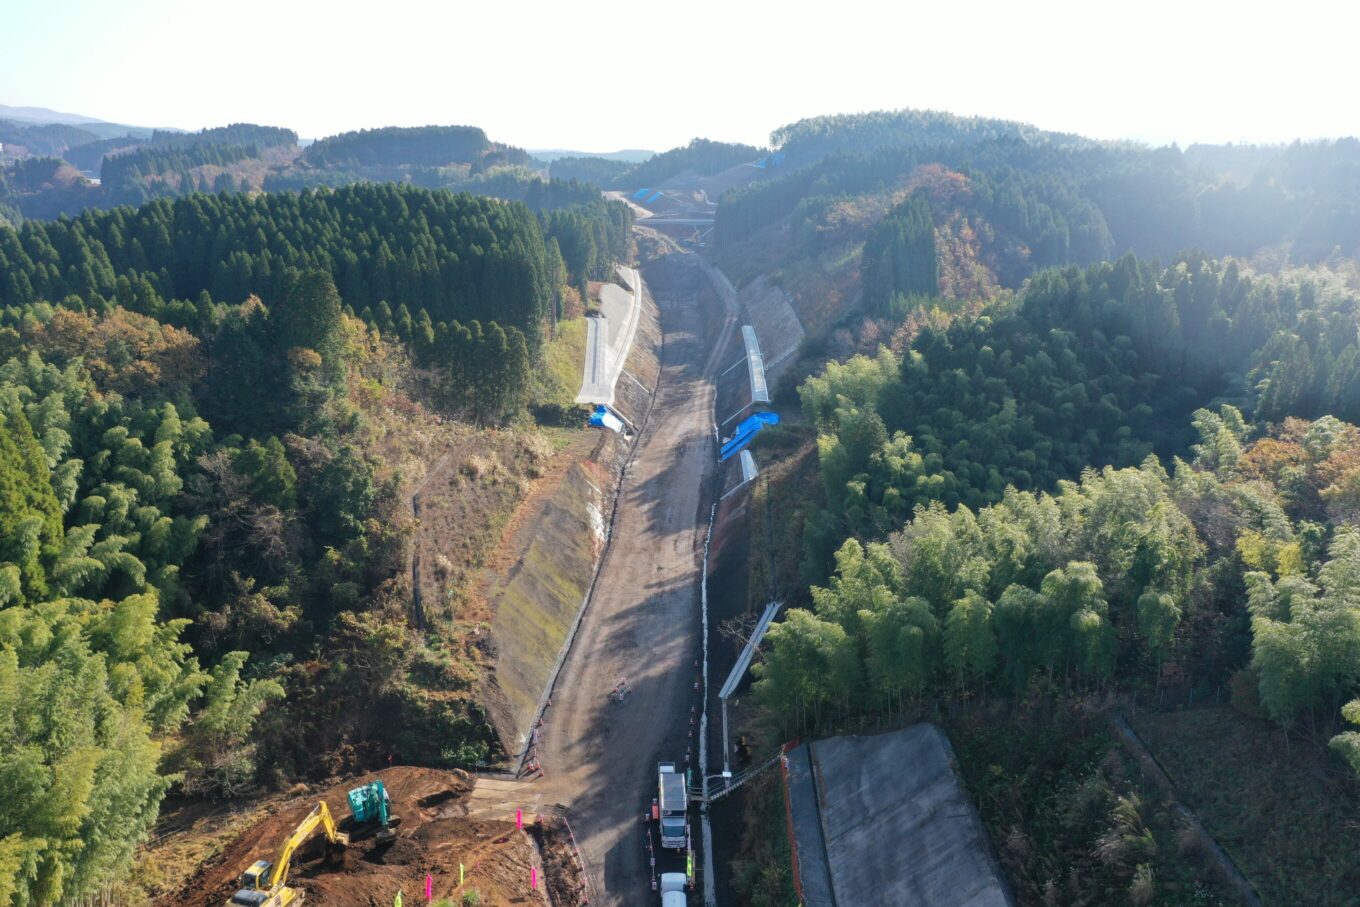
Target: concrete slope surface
(642, 625)
(609, 338)
(885, 820)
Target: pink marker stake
(429, 887)
(533, 878)
(519, 819)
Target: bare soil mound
(434, 837)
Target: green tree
(216, 756)
(901, 640)
(308, 313)
(969, 640)
(272, 478)
(1158, 616)
(1306, 640)
(1074, 626)
(812, 668)
(900, 259)
(83, 688)
(30, 516)
(865, 580)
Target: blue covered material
(653, 197)
(603, 418)
(641, 193)
(746, 433)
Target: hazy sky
(605, 74)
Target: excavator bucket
(336, 852)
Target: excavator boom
(320, 816)
(265, 884)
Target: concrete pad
(755, 366)
(609, 338)
(895, 825)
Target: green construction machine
(371, 813)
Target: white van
(673, 890)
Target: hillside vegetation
(205, 466)
(1007, 200)
(1048, 489)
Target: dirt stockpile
(434, 836)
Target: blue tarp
(641, 193)
(603, 418)
(654, 197)
(746, 432)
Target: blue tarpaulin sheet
(641, 193)
(746, 432)
(603, 418)
(653, 197)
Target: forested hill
(248, 157)
(1048, 491)
(1090, 368)
(811, 139)
(43, 140)
(428, 146)
(456, 256)
(205, 470)
(700, 156)
(1007, 201)
(1153, 203)
(231, 134)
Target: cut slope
(546, 561)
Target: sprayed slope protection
(556, 550)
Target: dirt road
(599, 757)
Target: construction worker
(396, 902)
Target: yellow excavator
(265, 884)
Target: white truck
(673, 890)
(671, 801)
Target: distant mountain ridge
(99, 128)
(627, 155)
(44, 115)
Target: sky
(599, 75)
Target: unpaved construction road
(599, 757)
